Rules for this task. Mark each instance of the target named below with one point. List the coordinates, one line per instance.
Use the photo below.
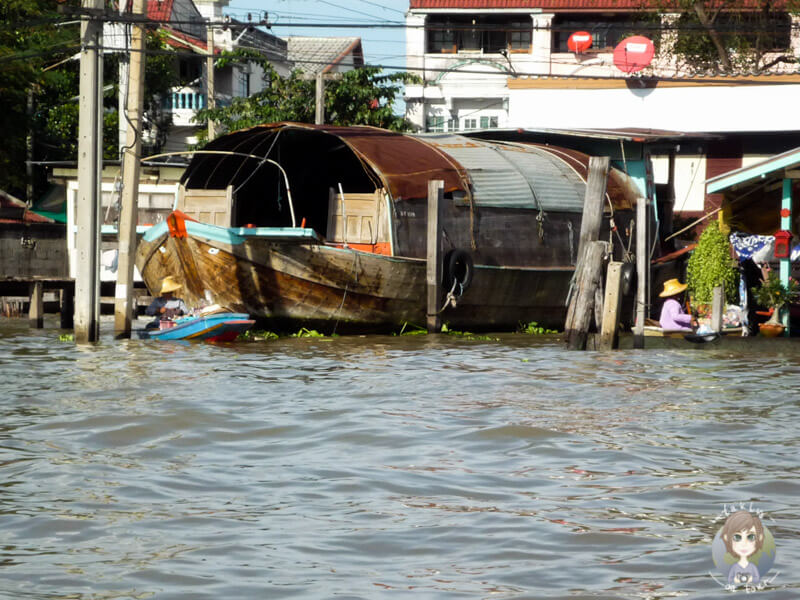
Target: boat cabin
(367, 189)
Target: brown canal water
(388, 467)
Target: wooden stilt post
(67, 306)
(130, 181)
(434, 264)
(582, 305)
(90, 159)
(590, 221)
(593, 202)
(611, 303)
(642, 272)
(36, 305)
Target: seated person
(166, 305)
(673, 315)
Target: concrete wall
(34, 249)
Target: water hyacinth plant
(710, 266)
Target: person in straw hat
(673, 315)
(166, 305)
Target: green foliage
(309, 333)
(533, 328)
(411, 329)
(467, 335)
(362, 96)
(716, 35)
(29, 42)
(35, 58)
(257, 336)
(771, 292)
(711, 265)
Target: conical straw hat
(169, 285)
(672, 287)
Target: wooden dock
(19, 293)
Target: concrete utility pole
(124, 73)
(212, 103)
(319, 117)
(123, 305)
(90, 164)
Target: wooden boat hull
(221, 327)
(294, 279)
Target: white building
(506, 64)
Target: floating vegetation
(533, 328)
(308, 333)
(257, 336)
(467, 335)
(411, 329)
(66, 337)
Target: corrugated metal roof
(515, 175)
(574, 5)
(317, 54)
(501, 174)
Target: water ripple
(373, 466)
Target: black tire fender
(628, 276)
(458, 267)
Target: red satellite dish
(634, 54)
(580, 41)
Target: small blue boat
(217, 327)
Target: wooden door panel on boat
(359, 219)
(207, 206)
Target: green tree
(363, 96)
(37, 50)
(729, 35)
(711, 265)
(32, 36)
(57, 118)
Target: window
(435, 124)
(488, 122)
(243, 84)
(489, 34)
(607, 31)
(470, 124)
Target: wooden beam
(611, 304)
(582, 305)
(36, 305)
(594, 199)
(590, 221)
(67, 306)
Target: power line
(717, 79)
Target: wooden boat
(264, 226)
(218, 327)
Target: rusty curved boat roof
(491, 172)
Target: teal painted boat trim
(787, 160)
(235, 235)
(155, 232)
(112, 229)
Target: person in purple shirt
(673, 315)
